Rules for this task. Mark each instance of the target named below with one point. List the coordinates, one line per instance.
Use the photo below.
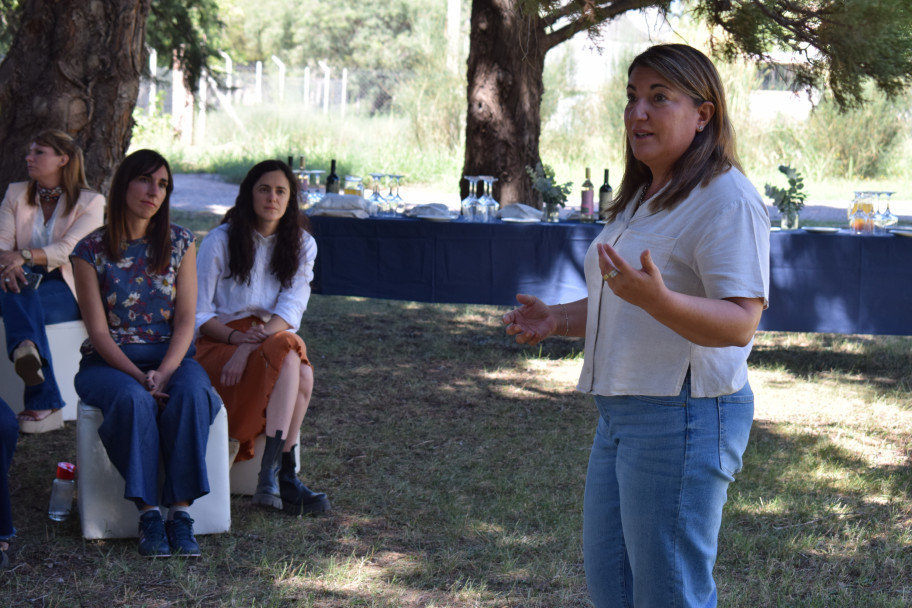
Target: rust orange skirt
(246, 401)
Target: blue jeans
(25, 315)
(136, 433)
(658, 477)
(9, 433)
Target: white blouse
(713, 244)
(227, 299)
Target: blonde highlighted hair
(73, 179)
(712, 151)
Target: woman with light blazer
(41, 220)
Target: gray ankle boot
(267, 490)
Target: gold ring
(610, 274)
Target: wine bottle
(587, 204)
(332, 180)
(606, 195)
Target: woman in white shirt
(254, 275)
(666, 342)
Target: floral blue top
(138, 305)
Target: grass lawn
(455, 461)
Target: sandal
(33, 422)
(28, 364)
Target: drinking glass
(890, 218)
(487, 206)
(470, 202)
(315, 194)
(397, 205)
(376, 199)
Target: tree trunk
(73, 66)
(503, 123)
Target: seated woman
(9, 433)
(136, 280)
(254, 282)
(41, 220)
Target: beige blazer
(17, 219)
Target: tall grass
(422, 134)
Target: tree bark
(73, 66)
(503, 121)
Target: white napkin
(569, 215)
(342, 205)
(519, 211)
(429, 210)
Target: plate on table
(820, 229)
(900, 228)
(521, 220)
(435, 218)
(902, 232)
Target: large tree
(76, 66)
(845, 42)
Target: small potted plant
(789, 202)
(553, 195)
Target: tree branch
(581, 19)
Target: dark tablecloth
(818, 282)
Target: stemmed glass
(487, 205)
(397, 206)
(314, 194)
(470, 203)
(376, 198)
(889, 218)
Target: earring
(700, 129)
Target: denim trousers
(658, 478)
(25, 315)
(137, 434)
(9, 433)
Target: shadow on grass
(456, 476)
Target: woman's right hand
(234, 369)
(530, 323)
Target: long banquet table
(838, 283)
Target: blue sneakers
(152, 539)
(180, 535)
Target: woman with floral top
(136, 281)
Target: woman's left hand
(12, 276)
(156, 383)
(644, 287)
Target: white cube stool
(65, 340)
(103, 510)
(244, 474)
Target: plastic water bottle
(62, 492)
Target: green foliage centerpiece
(791, 201)
(553, 195)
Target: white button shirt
(713, 244)
(226, 299)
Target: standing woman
(136, 280)
(41, 220)
(666, 342)
(255, 271)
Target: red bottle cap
(66, 470)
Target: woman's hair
(73, 177)
(140, 163)
(712, 151)
(242, 222)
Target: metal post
(281, 65)
(259, 82)
(325, 86)
(153, 87)
(344, 89)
